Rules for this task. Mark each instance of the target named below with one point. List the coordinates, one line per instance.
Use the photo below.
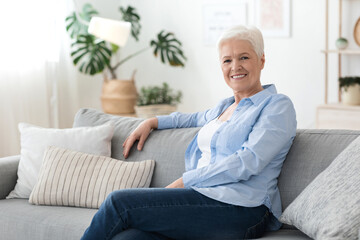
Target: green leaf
(75, 23)
(76, 60)
(74, 27)
(105, 57)
(168, 46)
(88, 12)
(92, 54)
(158, 95)
(345, 82)
(129, 15)
(114, 48)
(177, 61)
(162, 57)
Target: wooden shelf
(341, 107)
(338, 116)
(345, 51)
(327, 50)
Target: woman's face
(241, 67)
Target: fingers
(141, 143)
(179, 183)
(140, 133)
(129, 142)
(124, 142)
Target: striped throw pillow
(70, 178)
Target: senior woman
(229, 189)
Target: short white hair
(248, 33)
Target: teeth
(239, 76)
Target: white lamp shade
(114, 31)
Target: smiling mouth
(239, 76)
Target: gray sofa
(311, 152)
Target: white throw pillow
(35, 140)
(329, 207)
(71, 178)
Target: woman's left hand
(176, 184)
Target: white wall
(294, 64)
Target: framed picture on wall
(219, 16)
(272, 17)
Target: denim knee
(109, 200)
(120, 199)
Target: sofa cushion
(166, 147)
(312, 151)
(35, 140)
(20, 220)
(329, 206)
(70, 178)
(285, 234)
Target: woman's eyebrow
(243, 53)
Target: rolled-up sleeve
(188, 120)
(181, 120)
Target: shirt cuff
(164, 122)
(190, 178)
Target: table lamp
(114, 31)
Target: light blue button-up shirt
(247, 151)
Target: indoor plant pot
(154, 110)
(155, 101)
(118, 96)
(350, 90)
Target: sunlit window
(29, 33)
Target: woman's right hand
(141, 133)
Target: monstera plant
(93, 55)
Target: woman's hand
(176, 184)
(141, 133)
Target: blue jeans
(173, 213)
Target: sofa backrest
(311, 152)
(166, 147)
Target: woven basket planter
(150, 111)
(119, 96)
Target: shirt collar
(256, 99)
(269, 89)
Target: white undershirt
(204, 140)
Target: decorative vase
(357, 35)
(154, 110)
(341, 43)
(119, 96)
(351, 95)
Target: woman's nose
(236, 66)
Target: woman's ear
(262, 60)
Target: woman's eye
(227, 61)
(244, 58)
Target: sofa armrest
(8, 174)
